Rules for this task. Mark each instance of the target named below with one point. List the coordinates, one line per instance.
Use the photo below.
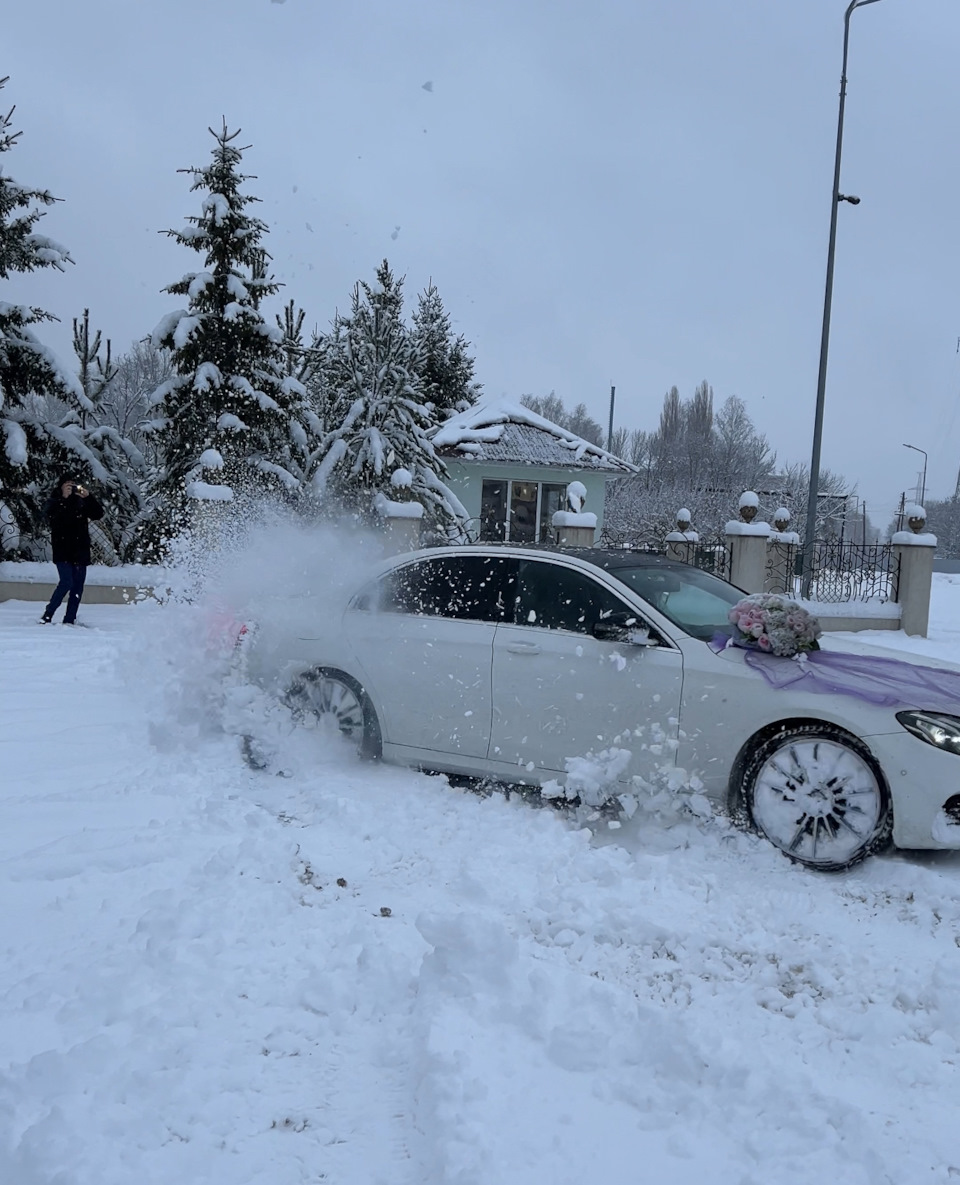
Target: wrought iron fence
(781, 575)
(842, 571)
(845, 571)
(627, 540)
(709, 554)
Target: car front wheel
(329, 699)
(819, 796)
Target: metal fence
(842, 571)
(782, 568)
(626, 540)
(710, 554)
(845, 571)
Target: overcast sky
(627, 191)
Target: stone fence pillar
(914, 553)
(747, 543)
(401, 524)
(575, 530)
(682, 544)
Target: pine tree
(307, 364)
(231, 415)
(29, 373)
(105, 453)
(444, 366)
(378, 406)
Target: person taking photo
(70, 508)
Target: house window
(552, 499)
(520, 511)
(493, 510)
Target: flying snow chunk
(428, 86)
(309, 227)
(396, 232)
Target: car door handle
(523, 647)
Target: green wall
(467, 477)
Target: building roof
(508, 433)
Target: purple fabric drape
(885, 682)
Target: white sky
(608, 193)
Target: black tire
(818, 794)
(326, 697)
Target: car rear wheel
(331, 700)
(818, 795)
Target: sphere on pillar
(916, 518)
(748, 505)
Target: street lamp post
(836, 198)
(923, 479)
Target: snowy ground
(359, 975)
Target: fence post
(678, 548)
(914, 554)
(401, 524)
(747, 543)
(682, 542)
(575, 530)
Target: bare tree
(578, 420)
(124, 404)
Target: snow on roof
(508, 432)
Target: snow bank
(358, 973)
(872, 607)
(101, 575)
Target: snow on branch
(16, 443)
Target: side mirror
(622, 627)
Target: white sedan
(508, 663)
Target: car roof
(602, 557)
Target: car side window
(467, 588)
(558, 598)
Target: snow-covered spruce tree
(377, 403)
(87, 432)
(230, 416)
(306, 364)
(443, 363)
(29, 373)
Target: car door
(560, 692)
(423, 634)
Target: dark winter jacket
(68, 518)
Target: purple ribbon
(885, 682)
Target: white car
(507, 662)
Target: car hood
(884, 645)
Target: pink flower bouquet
(774, 624)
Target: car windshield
(693, 600)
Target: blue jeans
(72, 578)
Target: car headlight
(936, 728)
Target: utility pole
(613, 392)
(836, 198)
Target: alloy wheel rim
(331, 702)
(818, 801)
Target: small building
(511, 470)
